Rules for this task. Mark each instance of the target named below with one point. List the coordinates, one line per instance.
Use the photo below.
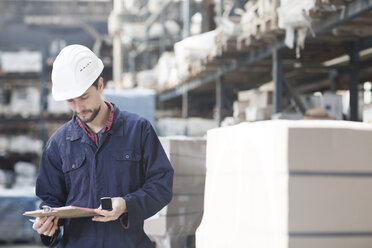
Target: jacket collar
(74, 131)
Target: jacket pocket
(128, 170)
(72, 164)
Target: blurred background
(235, 69)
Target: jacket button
(127, 156)
(73, 166)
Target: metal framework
(353, 10)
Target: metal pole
(43, 96)
(186, 18)
(219, 99)
(334, 78)
(354, 70)
(147, 52)
(185, 104)
(117, 49)
(277, 78)
(132, 66)
(164, 29)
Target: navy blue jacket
(129, 162)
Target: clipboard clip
(47, 209)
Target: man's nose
(78, 107)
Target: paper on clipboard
(63, 212)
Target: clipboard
(62, 212)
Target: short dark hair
(95, 83)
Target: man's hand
(119, 207)
(46, 225)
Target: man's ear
(100, 83)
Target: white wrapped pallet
(25, 144)
(288, 184)
(193, 127)
(293, 16)
(4, 144)
(180, 218)
(25, 101)
(146, 79)
(24, 61)
(193, 48)
(166, 71)
(260, 18)
(25, 174)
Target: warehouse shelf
(247, 62)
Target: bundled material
(166, 71)
(294, 17)
(25, 174)
(172, 226)
(25, 101)
(288, 184)
(194, 127)
(254, 105)
(4, 144)
(192, 49)
(367, 113)
(24, 61)
(25, 144)
(146, 79)
(260, 18)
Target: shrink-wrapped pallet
(288, 184)
(23, 61)
(175, 224)
(25, 101)
(192, 49)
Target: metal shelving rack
(271, 60)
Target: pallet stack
(288, 184)
(175, 225)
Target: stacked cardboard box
(254, 105)
(280, 184)
(183, 214)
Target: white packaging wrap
(175, 223)
(288, 184)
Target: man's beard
(92, 117)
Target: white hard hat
(74, 71)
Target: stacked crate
(175, 225)
(280, 184)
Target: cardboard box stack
(288, 184)
(173, 225)
(254, 105)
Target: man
(101, 152)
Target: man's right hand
(46, 225)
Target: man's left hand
(119, 207)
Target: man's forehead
(77, 98)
